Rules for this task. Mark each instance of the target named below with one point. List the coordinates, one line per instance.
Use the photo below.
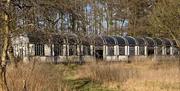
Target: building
(70, 47)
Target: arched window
(132, 43)
(159, 45)
(168, 45)
(72, 41)
(142, 44)
(121, 42)
(86, 42)
(175, 48)
(150, 45)
(110, 42)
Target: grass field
(102, 76)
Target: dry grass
(155, 76)
(141, 75)
(147, 75)
(108, 74)
(44, 77)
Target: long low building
(70, 47)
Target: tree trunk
(3, 84)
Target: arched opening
(38, 41)
(121, 42)
(72, 42)
(141, 43)
(86, 46)
(110, 43)
(159, 46)
(175, 48)
(98, 51)
(150, 46)
(104, 47)
(132, 43)
(168, 45)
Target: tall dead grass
(146, 75)
(161, 75)
(143, 75)
(43, 77)
(108, 74)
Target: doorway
(99, 54)
(150, 51)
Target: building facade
(70, 47)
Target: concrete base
(111, 58)
(89, 58)
(59, 59)
(123, 58)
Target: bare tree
(165, 19)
